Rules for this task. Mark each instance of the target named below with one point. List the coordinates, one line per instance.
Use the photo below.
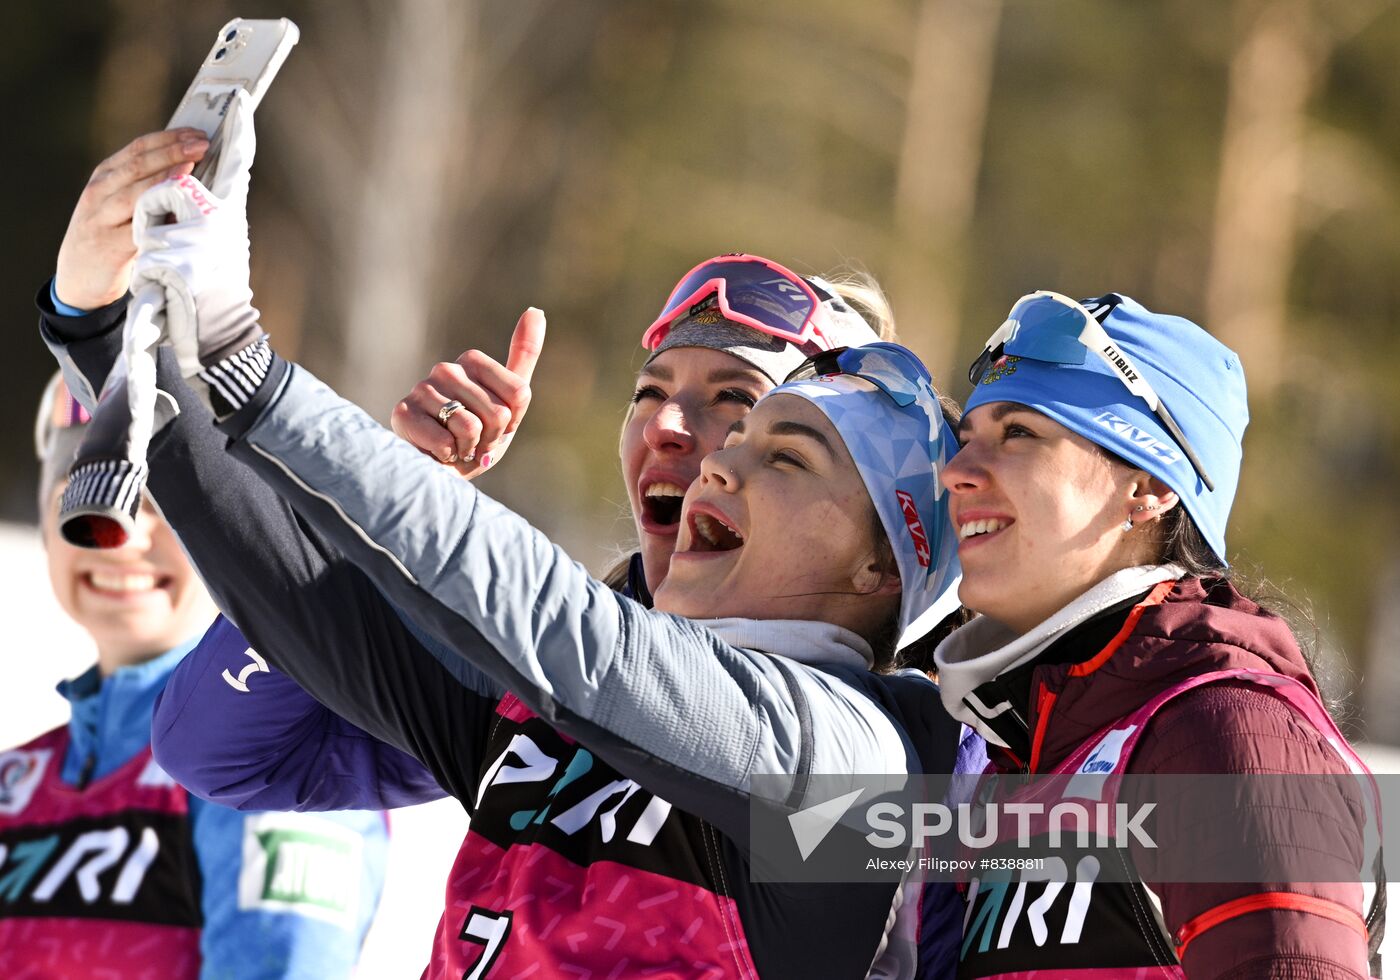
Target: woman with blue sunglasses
(1101, 450)
(658, 704)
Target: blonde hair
(616, 575)
(863, 293)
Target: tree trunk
(952, 64)
(400, 223)
(1272, 76)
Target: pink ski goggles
(751, 290)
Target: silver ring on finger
(449, 410)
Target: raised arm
(252, 554)
(643, 690)
(663, 699)
(299, 604)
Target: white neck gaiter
(805, 641)
(985, 649)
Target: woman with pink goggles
(739, 321)
(732, 328)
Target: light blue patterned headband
(882, 403)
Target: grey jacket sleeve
(662, 699)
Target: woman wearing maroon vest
(1100, 456)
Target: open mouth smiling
(709, 533)
(661, 506)
(974, 532)
(122, 584)
(974, 528)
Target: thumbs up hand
(465, 412)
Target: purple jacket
(284, 749)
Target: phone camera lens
(220, 53)
(230, 35)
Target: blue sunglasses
(898, 373)
(894, 369)
(1046, 326)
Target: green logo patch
(301, 864)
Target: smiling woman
(779, 527)
(576, 703)
(1100, 455)
(137, 601)
(648, 724)
(732, 328)
(686, 399)
(603, 750)
(133, 600)
(111, 869)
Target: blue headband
(898, 451)
(1197, 377)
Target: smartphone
(245, 55)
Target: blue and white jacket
(253, 917)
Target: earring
(1127, 525)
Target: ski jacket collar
(112, 715)
(636, 585)
(801, 640)
(985, 648)
(1175, 631)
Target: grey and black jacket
(535, 695)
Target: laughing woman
(605, 750)
(1103, 442)
(611, 751)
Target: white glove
(200, 262)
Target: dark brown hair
(1184, 545)
(885, 637)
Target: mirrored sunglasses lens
(979, 367)
(766, 295)
(772, 306)
(751, 289)
(898, 375)
(687, 287)
(894, 374)
(899, 394)
(1049, 331)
